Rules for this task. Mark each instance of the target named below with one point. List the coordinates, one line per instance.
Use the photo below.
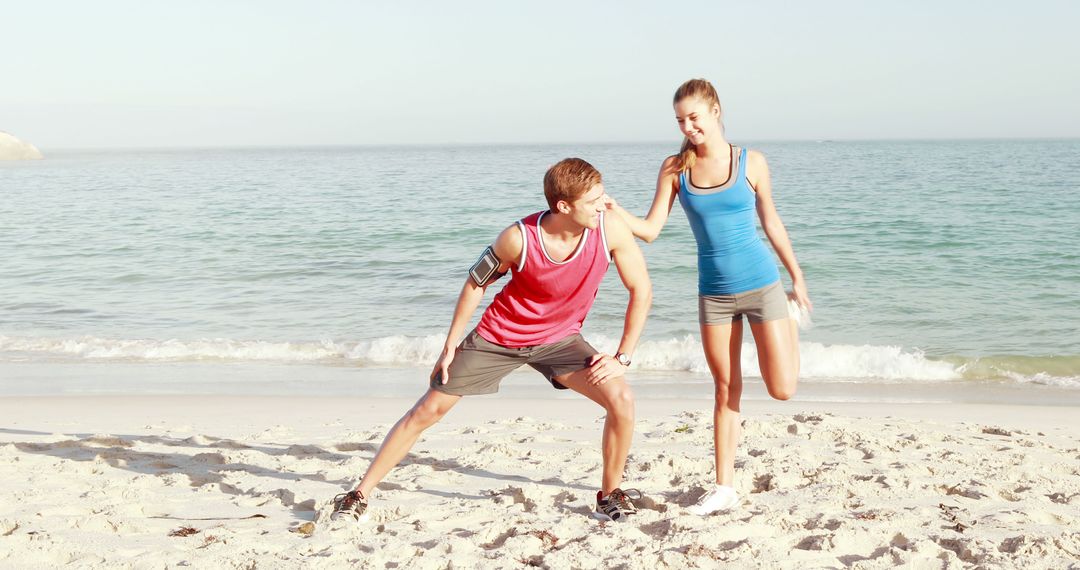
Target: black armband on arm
(483, 272)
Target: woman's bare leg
(723, 350)
(778, 356)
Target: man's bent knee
(425, 414)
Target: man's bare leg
(618, 400)
(428, 410)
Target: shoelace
(349, 501)
(715, 491)
(622, 497)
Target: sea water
(944, 262)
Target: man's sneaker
(616, 506)
(719, 498)
(351, 505)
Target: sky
(132, 74)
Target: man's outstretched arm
(507, 249)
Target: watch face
(623, 359)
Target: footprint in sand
(350, 447)
(210, 458)
(108, 441)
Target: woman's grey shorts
(759, 305)
(480, 365)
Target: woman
(721, 186)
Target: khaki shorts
(479, 365)
(759, 305)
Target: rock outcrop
(12, 148)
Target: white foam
(398, 350)
(1045, 379)
(837, 362)
(395, 350)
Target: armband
(483, 272)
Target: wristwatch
(622, 358)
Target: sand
(244, 482)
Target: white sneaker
(800, 314)
(719, 498)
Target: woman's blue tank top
(731, 256)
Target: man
(558, 258)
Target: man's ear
(562, 207)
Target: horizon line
(537, 143)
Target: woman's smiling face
(697, 119)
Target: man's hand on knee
(603, 367)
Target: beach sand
(232, 482)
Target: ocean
(951, 264)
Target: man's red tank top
(546, 301)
